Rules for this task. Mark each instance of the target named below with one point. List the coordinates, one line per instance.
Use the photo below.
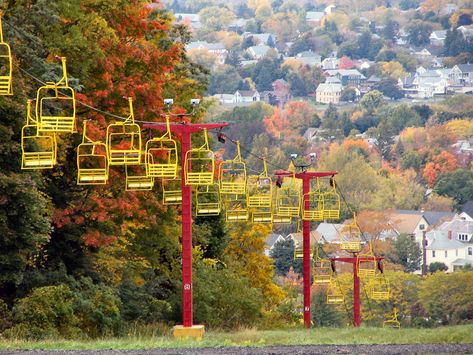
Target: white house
(444, 248)
(438, 37)
(246, 96)
(217, 48)
(193, 20)
(259, 51)
(329, 63)
(462, 74)
(328, 93)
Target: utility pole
(424, 254)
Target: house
(328, 93)
(348, 77)
(467, 31)
(314, 18)
(259, 51)
(237, 25)
(282, 90)
(444, 248)
(329, 9)
(217, 49)
(427, 52)
(437, 38)
(462, 74)
(246, 96)
(329, 232)
(263, 38)
(309, 58)
(415, 223)
(426, 83)
(297, 238)
(191, 20)
(329, 63)
(271, 242)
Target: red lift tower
(355, 260)
(306, 177)
(184, 131)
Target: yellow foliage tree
(461, 128)
(393, 69)
(246, 251)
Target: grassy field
(253, 337)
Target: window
(446, 253)
(470, 251)
(421, 227)
(433, 253)
(463, 237)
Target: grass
(253, 337)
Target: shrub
(46, 312)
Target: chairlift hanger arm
(305, 174)
(184, 127)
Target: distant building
(328, 93)
(463, 74)
(258, 52)
(271, 242)
(444, 248)
(314, 18)
(192, 20)
(246, 96)
(438, 37)
(217, 48)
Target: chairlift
(137, 179)
(6, 66)
(232, 175)
(259, 190)
(313, 204)
(92, 164)
(199, 167)
(351, 237)
(161, 155)
(38, 151)
(171, 195)
(379, 289)
(288, 198)
(299, 247)
(262, 215)
(334, 293)
(56, 105)
(331, 203)
(367, 264)
(124, 141)
(322, 269)
(392, 321)
(208, 201)
(235, 208)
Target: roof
(329, 231)
(457, 225)
(247, 93)
(259, 50)
(329, 88)
(332, 80)
(307, 54)
(439, 34)
(406, 221)
(439, 240)
(462, 262)
(297, 237)
(314, 15)
(434, 217)
(205, 45)
(465, 68)
(373, 79)
(272, 239)
(468, 208)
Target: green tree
(406, 252)
(372, 100)
(390, 89)
(325, 315)
(283, 256)
(418, 33)
(457, 184)
(224, 80)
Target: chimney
(450, 235)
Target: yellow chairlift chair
(124, 141)
(56, 105)
(6, 65)
(208, 201)
(313, 204)
(259, 190)
(334, 293)
(351, 237)
(288, 201)
(232, 175)
(162, 155)
(322, 269)
(172, 195)
(235, 208)
(38, 151)
(379, 289)
(199, 167)
(137, 179)
(392, 321)
(367, 264)
(92, 164)
(299, 246)
(262, 215)
(331, 203)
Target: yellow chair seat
(282, 219)
(314, 215)
(237, 188)
(60, 124)
(194, 178)
(335, 299)
(353, 247)
(168, 171)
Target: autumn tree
(442, 163)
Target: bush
(86, 310)
(5, 316)
(46, 312)
(437, 266)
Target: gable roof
(434, 217)
(247, 93)
(468, 208)
(465, 68)
(272, 239)
(440, 241)
(405, 221)
(323, 87)
(329, 231)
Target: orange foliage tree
(442, 163)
